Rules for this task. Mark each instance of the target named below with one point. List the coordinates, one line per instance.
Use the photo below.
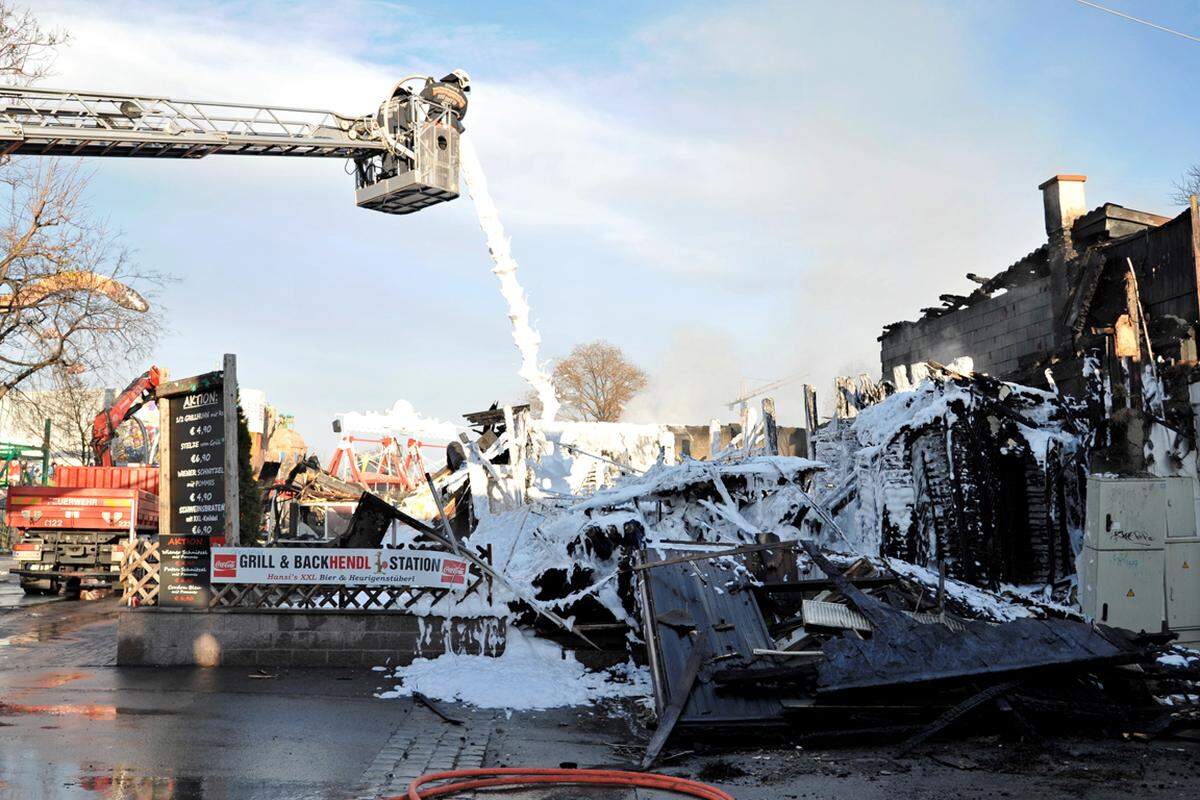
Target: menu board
(183, 573)
(197, 473)
(198, 492)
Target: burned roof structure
(1105, 310)
(965, 473)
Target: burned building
(963, 473)
(1105, 310)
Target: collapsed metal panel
(708, 600)
(904, 652)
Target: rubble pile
(575, 556)
(852, 649)
(983, 477)
(908, 581)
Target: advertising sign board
(425, 569)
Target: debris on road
(857, 651)
(759, 608)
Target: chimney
(1064, 202)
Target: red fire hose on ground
(451, 783)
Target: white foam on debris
(524, 335)
(982, 603)
(1182, 657)
(401, 418)
(870, 452)
(532, 674)
(674, 479)
(527, 543)
(577, 457)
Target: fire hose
(463, 780)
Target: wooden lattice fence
(139, 572)
(140, 569)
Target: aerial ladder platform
(405, 155)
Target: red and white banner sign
(426, 569)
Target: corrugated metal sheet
(931, 618)
(833, 615)
(144, 478)
(715, 601)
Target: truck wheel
(36, 586)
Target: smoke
(526, 338)
(691, 382)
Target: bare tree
(26, 48)
(596, 381)
(1186, 186)
(70, 401)
(69, 293)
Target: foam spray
(524, 335)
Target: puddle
(55, 679)
(52, 681)
(89, 710)
(122, 785)
(39, 626)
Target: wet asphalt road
(11, 594)
(73, 725)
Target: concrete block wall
(792, 441)
(151, 636)
(1001, 334)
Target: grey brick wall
(283, 638)
(1001, 334)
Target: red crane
(139, 392)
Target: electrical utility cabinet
(1182, 561)
(1137, 569)
(1121, 569)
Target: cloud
(747, 190)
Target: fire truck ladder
(52, 122)
(405, 155)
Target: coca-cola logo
(224, 565)
(454, 571)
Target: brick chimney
(1064, 202)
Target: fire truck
(71, 533)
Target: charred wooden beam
(821, 584)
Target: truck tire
(38, 586)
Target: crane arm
(763, 389)
(139, 392)
(405, 154)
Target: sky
(731, 192)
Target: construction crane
(405, 154)
(732, 404)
